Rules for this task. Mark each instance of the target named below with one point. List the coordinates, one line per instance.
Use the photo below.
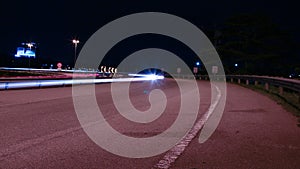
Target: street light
(29, 45)
(75, 41)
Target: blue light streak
(60, 83)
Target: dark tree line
(257, 45)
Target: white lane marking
(178, 149)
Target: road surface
(39, 129)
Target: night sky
(53, 24)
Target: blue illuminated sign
(27, 50)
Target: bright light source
(147, 76)
(160, 77)
(29, 45)
(75, 41)
(151, 77)
(155, 77)
(197, 63)
(236, 65)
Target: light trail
(58, 83)
(150, 76)
(49, 70)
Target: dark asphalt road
(39, 129)
(255, 132)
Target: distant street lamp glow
(197, 63)
(236, 65)
(75, 42)
(29, 45)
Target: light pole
(75, 41)
(30, 46)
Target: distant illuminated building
(26, 50)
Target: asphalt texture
(39, 129)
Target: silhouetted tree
(257, 45)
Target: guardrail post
(231, 80)
(239, 81)
(280, 90)
(267, 86)
(247, 82)
(256, 83)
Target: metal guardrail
(281, 83)
(267, 81)
(284, 83)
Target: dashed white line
(179, 148)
